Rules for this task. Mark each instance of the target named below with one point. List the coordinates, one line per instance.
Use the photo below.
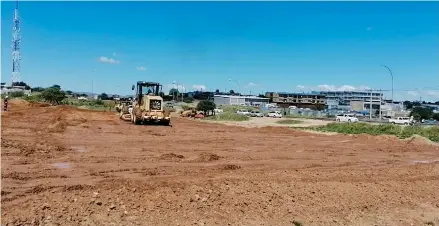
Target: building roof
(358, 91)
(242, 97)
(293, 93)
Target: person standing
(5, 104)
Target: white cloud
(251, 84)
(326, 87)
(108, 60)
(199, 87)
(413, 93)
(346, 88)
(300, 87)
(369, 28)
(432, 93)
(141, 68)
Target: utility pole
(370, 105)
(391, 74)
(380, 106)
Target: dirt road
(64, 166)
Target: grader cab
(148, 105)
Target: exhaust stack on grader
(147, 107)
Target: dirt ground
(265, 121)
(64, 166)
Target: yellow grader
(148, 107)
(124, 108)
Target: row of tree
(420, 113)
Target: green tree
(103, 96)
(435, 116)
(56, 86)
(53, 95)
(26, 86)
(37, 89)
(69, 92)
(206, 106)
(173, 92)
(420, 113)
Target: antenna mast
(16, 40)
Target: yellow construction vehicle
(148, 105)
(124, 107)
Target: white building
(12, 89)
(240, 100)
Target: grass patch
(310, 116)
(432, 133)
(228, 116)
(288, 122)
(234, 108)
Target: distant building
(345, 97)
(240, 100)
(5, 89)
(200, 95)
(300, 100)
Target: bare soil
(67, 166)
(266, 121)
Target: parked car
(346, 118)
(274, 114)
(218, 110)
(256, 114)
(401, 120)
(243, 112)
(430, 122)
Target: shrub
(228, 116)
(15, 94)
(186, 107)
(288, 121)
(206, 105)
(188, 100)
(34, 98)
(53, 95)
(431, 133)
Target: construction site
(67, 166)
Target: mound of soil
(419, 140)
(171, 157)
(231, 167)
(208, 157)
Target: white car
(243, 112)
(274, 114)
(346, 118)
(218, 110)
(256, 114)
(401, 120)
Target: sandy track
(63, 166)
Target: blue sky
(264, 46)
